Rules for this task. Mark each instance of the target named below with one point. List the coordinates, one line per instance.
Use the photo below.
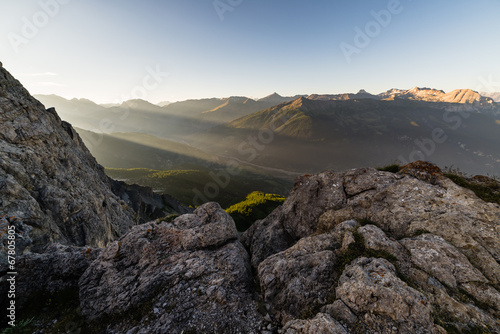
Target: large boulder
(321, 324)
(371, 287)
(297, 217)
(296, 281)
(191, 273)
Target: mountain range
(204, 113)
(331, 132)
(171, 120)
(283, 136)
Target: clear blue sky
(100, 49)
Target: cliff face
(48, 178)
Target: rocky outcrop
(50, 181)
(191, 273)
(400, 204)
(421, 256)
(370, 287)
(185, 275)
(48, 178)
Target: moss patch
(257, 205)
(487, 191)
(394, 168)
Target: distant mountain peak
(163, 103)
(83, 100)
(138, 104)
(133, 101)
(418, 89)
(361, 94)
(467, 96)
(425, 89)
(272, 97)
(299, 101)
(462, 96)
(238, 99)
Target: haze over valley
(279, 137)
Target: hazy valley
(276, 138)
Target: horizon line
(254, 98)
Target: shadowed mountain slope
(313, 134)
